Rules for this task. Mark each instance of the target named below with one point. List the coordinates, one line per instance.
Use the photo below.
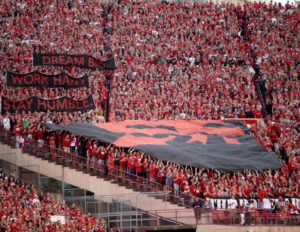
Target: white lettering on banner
(222, 203)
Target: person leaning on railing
(197, 205)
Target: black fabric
(37, 79)
(42, 105)
(82, 61)
(213, 144)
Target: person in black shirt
(197, 207)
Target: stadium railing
(113, 173)
(208, 215)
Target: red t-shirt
(18, 130)
(161, 176)
(66, 142)
(40, 134)
(123, 161)
(152, 171)
(262, 194)
(139, 167)
(52, 139)
(176, 179)
(111, 162)
(60, 138)
(130, 164)
(34, 133)
(102, 155)
(95, 152)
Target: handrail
(115, 173)
(213, 215)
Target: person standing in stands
(83, 149)
(52, 142)
(267, 208)
(162, 174)
(249, 207)
(169, 178)
(95, 151)
(77, 148)
(6, 122)
(73, 144)
(232, 205)
(18, 134)
(123, 163)
(89, 147)
(176, 181)
(111, 164)
(279, 206)
(66, 143)
(152, 172)
(145, 167)
(139, 168)
(130, 166)
(40, 136)
(292, 209)
(102, 156)
(197, 205)
(60, 139)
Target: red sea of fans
(23, 209)
(174, 61)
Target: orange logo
(137, 133)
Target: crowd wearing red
(174, 61)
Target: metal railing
(151, 218)
(113, 173)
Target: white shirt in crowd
(267, 203)
(6, 123)
(232, 203)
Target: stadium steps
(84, 169)
(131, 186)
(100, 185)
(91, 172)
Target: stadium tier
(151, 92)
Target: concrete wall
(215, 228)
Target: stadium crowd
(175, 61)
(22, 208)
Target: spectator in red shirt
(162, 174)
(18, 133)
(139, 168)
(40, 136)
(131, 167)
(123, 163)
(176, 181)
(152, 172)
(66, 143)
(95, 152)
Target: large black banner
(37, 79)
(82, 61)
(222, 145)
(38, 104)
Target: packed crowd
(175, 61)
(22, 208)
(203, 183)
